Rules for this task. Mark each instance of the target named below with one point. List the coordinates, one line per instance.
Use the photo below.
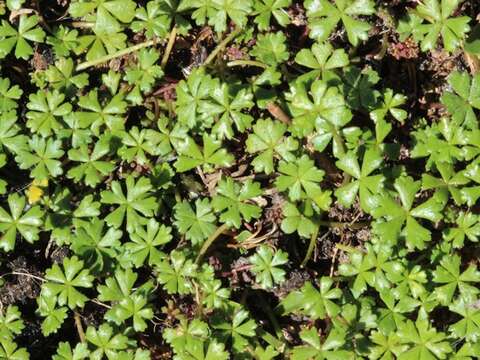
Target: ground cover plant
(254, 179)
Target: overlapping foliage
(225, 179)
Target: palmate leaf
(135, 307)
(236, 324)
(64, 282)
(319, 106)
(322, 57)
(267, 10)
(45, 111)
(440, 23)
(192, 95)
(61, 76)
(227, 104)
(365, 183)
(92, 169)
(266, 266)
(196, 223)
(10, 139)
(323, 17)
(54, 316)
(316, 304)
(9, 350)
(144, 243)
(11, 38)
(138, 144)
(65, 352)
(210, 157)
(469, 326)
(9, 95)
(468, 226)
(175, 273)
(145, 73)
(217, 12)
(43, 158)
(449, 275)
(101, 115)
(234, 201)
(401, 219)
(370, 268)
(11, 322)
(316, 348)
(105, 342)
(135, 207)
(270, 48)
(424, 341)
(301, 178)
(463, 98)
(19, 220)
(108, 15)
(390, 105)
(153, 19)
(269, 141)
(96, 246)
(298, 218)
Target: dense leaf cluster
(226, 179)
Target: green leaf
(20, 220)
(234, 201)
(210, 157)
(54, 316)
(42, 158)
(463, 98)
(423, 340)
(65, 352)
(92, 169)
(317, 348)
(301, 178)
(449, 275)
(11, 322)
(9, 350)
(269, 140)
(266, 266)
(145, 242)
(441, 24)
(64, 282)
(313, 303)
(324, 16)
(198, 224)
(95, 246)
(17, 38)
(134, 208)
(267, 10)
(9, 95)
(270, 48)
(175, 273)
(322, 57)
(105, 342)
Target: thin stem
(210, 241)
(168, 49)
(95, 301)
(78, 324)
(247, 63)
(27, 275)
(311, 245)
(82, 24)
(120, 53)
(222, 46)
(346, 248)
(277, 112)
